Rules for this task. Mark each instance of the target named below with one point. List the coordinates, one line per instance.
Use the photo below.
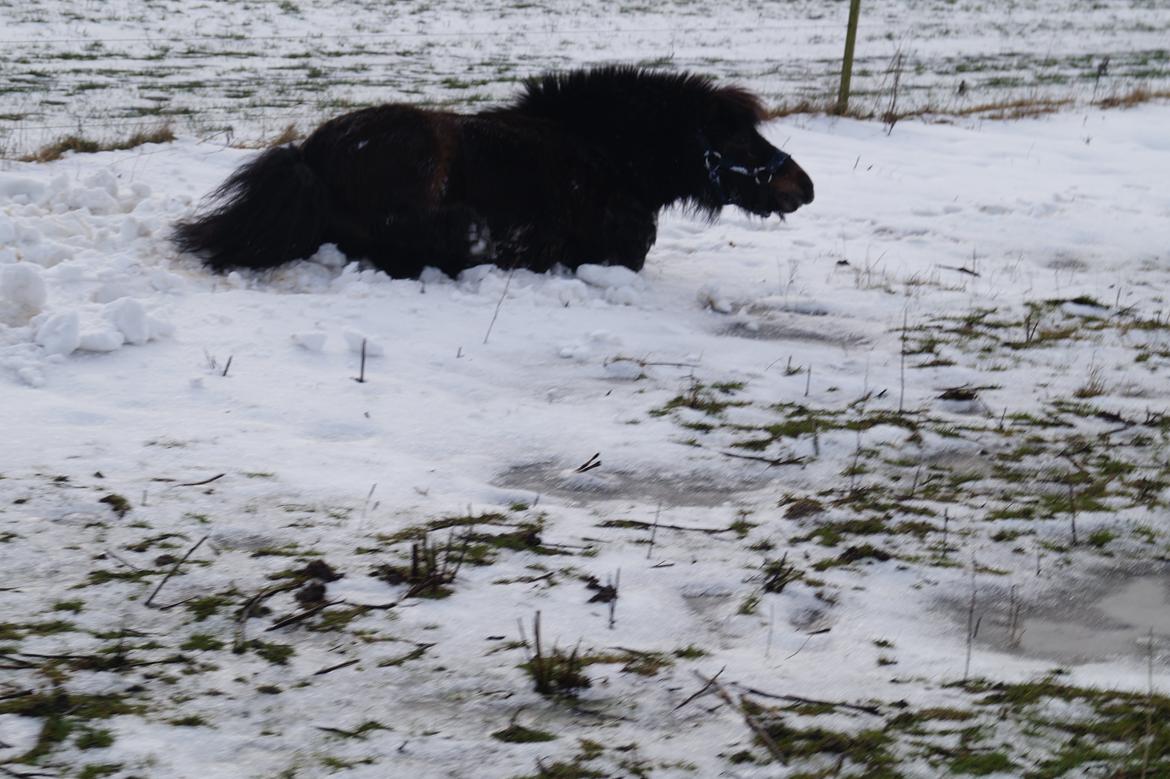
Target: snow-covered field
(894, 470)
(249, 68)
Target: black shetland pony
(574, 171)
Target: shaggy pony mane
(562, 96)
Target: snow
(22, 292)
(60, 334)
(226, 406)
(249, 70)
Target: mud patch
(695, 488)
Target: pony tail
(272, 210)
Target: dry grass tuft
(1017, 108)
(285, 136)
(1133, 97)
(81, 145)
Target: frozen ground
(248, 69)
(841, 460)
(775, 389)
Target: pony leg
(450, 239)
(628, 238)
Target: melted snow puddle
(669, 489)
(777, 319)
(1111, 621)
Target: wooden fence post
(847, 63)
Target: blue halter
(762, 174)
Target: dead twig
(129, 565)
(590, 464)
(958, 269)
(24, 774)
(361, 379)
(634, 523)
(250, 605)
(11, 663)
(874, 710)
(174, 570)
(217, 477)
(301, 616)
(702, 690)
(760, 731)
(499, 303)
(771, 461)
(337, 667)
(647, 363)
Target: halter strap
(716, 167)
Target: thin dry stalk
(902, 391)
(593, 462)
(361, 379)
(890, 117)
(617, 579)
(248, 610)
(174, 570)
(499, 304)
(972, 625)
(1015, 609)
(555, 673)
(760, 731)
(702, 690)
(1149, 739)
(856, 461)
(654, 531)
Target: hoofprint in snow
(841, 459)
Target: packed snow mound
(22, 292)
(621, 285)
(77, 252)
